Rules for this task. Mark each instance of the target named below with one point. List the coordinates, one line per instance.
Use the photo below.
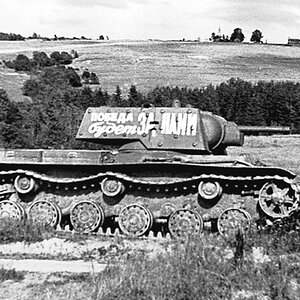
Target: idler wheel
(45, 213)
(112, 187)
(185, 222)
(209, 190)
(135, 220)
(24, 184)
(276, 202)
(233, 219)
(11, 211)
(86, 216)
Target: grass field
(147, 64)
(207, 268)
(277, 150)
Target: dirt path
(52, 266)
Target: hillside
(147, 64)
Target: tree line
(40, 60)
(11, 37)
(17, 37)
(237, 36)
(52, 116)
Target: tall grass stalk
(202, 268)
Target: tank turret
(178, 129)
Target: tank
(166, 173)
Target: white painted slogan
(125, 123)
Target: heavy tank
(167, 173)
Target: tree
(256, 36)
(41, 59)
(94, 78)
(100, 98)
(56, 57)
(237, 35)
(134, 97)
(11, 37)
(116, 99)
(66, 58)
(74, 54)
(12, 133)
(22, 63)
(30, 88)
(73, 77)
(86, 76)
(3, 104)
(63, 58)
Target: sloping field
(147, 64)
(278, 151)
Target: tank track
(67, 192)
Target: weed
(12, 231)
(201, 269)
(239, 249)
(10, 274)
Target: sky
(151, 19)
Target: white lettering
(117, 123)
(181, 124)
(113, 117)
(99, 128)
(165, 123)
(121, 118)
(129, 118)
(173, 124)
(142, 119)
(149, 124)
(192, 124)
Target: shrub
(73, 78)
(94, 78)
(22, 63)
(41, 59)
(9, 64)
(56, 57)
(66, 58)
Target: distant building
(293, 41)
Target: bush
(42, 60)
(9, 64)
(56, 57)
(94, 78)
(73, 77)
(22, 63)
(66, 58)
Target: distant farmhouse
(293, 41)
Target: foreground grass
(11, 275)
(210, 268)
(261, 265)
(26, 231)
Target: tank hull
(137, 192)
